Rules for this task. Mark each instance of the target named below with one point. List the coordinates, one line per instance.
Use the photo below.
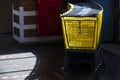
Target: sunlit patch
(13, 77)
(16, 66)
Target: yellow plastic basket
(81, 32)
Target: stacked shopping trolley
(81, 25)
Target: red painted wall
(49, 22)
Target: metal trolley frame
(81, 38)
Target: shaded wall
(5, 16)
(107, 29)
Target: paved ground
(51, 59)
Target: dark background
(110, 29)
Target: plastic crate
(81, 31)
(25, 27)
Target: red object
(49, 22)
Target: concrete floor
(51, 59)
